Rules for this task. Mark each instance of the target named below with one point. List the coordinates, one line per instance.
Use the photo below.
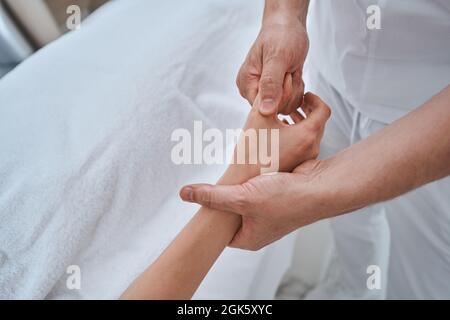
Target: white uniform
(371, 78)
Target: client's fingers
(315, 109)
(219, 197)
(296, 116)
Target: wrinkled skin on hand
(273, 67)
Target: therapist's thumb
(271, 86)
(219, 197)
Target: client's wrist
(239, 173)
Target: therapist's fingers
(220, 197)
(248, 84)
(271, 85)
(295, 96)
(287, 92)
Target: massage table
(86, 177)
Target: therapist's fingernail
(267, 106)
(187, 194)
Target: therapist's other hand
(273, 67)
(271, 206)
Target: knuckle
(313, 128)
(248, 194)
(317, 100)
(308, 95)
(327, 111)
(240, 202)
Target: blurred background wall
(27, 25)
(58, 9)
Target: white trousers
(407, 239)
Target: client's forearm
(406, 154)
(178, 272)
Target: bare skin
(279, 50)
(409, 153)
(178, 272)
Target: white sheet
(85, 171)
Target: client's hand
(297, 143)
(271, 145)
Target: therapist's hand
(271, 206)
(280, 50)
